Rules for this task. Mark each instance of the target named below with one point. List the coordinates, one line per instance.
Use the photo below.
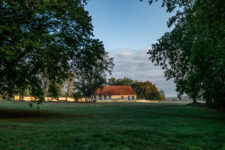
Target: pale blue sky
(128, 28)
(127, 23)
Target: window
(109, 97)
(100, 98)
(132, 97)
(105, 97)
(94, 97)
(128, 98)
(122, 97)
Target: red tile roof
(116, 90)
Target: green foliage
(162, 95)
(53, 91)
(123, 81)
(93, 65)
(77, 96)
(144, 90)
(193, 52)
(41, 41)
(36, 91)
(39, 36)
(139, 126)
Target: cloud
(135, 64)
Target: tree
(193, 52)
(144, 90)
(123, 81)
(41, 39)
(93, 65)
(68, 86)
(162, 95)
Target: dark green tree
(193, 53)
(41, 39)
(122, 81)
(162, 95)
(146, 90)
(92, 68)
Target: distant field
(159, 126)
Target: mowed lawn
(110, 126)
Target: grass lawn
(110, 126)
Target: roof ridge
(116, 90)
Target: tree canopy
(145, 90)
(94, 64)
(42, 42)
(193, 53)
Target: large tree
(193, 53)
(40, 39)
(92, 68)
(145, 90)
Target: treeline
(145, 90)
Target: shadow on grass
(195, 117)
(198, 105)
(39, 114)
(16, 114)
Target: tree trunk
(194, 101)
(68, 90)
(11, 98)
(45, 88)
(21, 96)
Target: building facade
(115, 94)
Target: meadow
(157, 126)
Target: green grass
(110, 126)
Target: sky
(128, 28)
